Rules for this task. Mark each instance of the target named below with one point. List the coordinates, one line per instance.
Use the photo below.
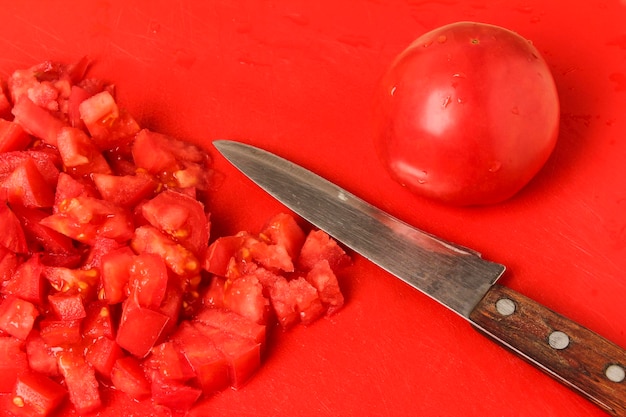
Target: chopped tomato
(27, 282)
(322, 277)
(317, 246)
(99, 321)
(242, 354)
(25, 186)
(12, 136)
(169, 363)
(127, 376)
(178, 259)
(8, 264)
(109, 288)
(36, 395)
(115, 274)
(245, 296)
(12, 236)
(282, 230)
(41, 236)
(175, 395)
(17, 317)
(37, 121)
(13, 362)
(139, 328)
(208, 362)
(181, 217)
(220, 252)
(78, 151)
(148, 279)
(67, 306)
(63, 333)
(102, 355)
(87, 218)
(80, 381)
(231, 322)
(45, 159)
(125, 190)
(41, 356)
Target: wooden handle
(570, 353)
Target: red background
(296, 77)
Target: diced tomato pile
(107, 278)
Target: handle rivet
(558, 340)
(505, 306)
(615, 373)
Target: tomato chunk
(322, 277)
(283, 231)
(169, 363)
(27, 187)
(42, 236)
(242, 354)
(41, 357)
(231, 322)
(67, 306)
(80, 381)
(179, 259)
(181, 217)
(12, 136)
(37, 121)
(220, 252)
(17, 317)
(27, 281)
(36, 395)
(319, 245)
(127, 375)
(125, 190)
(13, 237)
(148, 279)
(115, 274)
(139, 328)
(13, 362)
(245, 296)
(103, 354)
(208, 362)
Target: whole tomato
(467, 114)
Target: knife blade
(452, 275)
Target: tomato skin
(467, 114)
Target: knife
(452, 275)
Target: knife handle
(567, 351)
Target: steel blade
(455, 276)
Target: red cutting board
(296, 77)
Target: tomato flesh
(467, 114)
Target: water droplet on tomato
(495, 166)
(442, 38)
(393, 90)
(155, 27)
(460, 100)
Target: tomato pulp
(467, 114)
